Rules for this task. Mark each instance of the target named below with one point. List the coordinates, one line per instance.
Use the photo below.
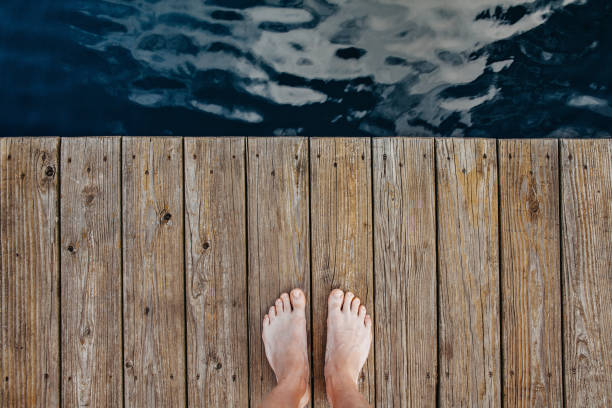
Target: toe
(355, 305)
(362, 313)
(279, 306)
(348, 298)
(286, 302)
(335, 299)
(298, 299)
(266, 321)
(368, 322)
(272, 313)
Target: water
(313, 67)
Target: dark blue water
(283, 67)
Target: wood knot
(206, 245)
(146, 311)
(49, 171)
(71, 249)
(233, 377)
(129, 364)
(166, 217)
(89, 194)
(218, 366)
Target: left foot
(284, 337)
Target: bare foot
(284, 337)
(349, 336)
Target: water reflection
(435, 67)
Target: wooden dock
(136, 271)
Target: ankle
(295, 383)
(338, 380)
(339, 374)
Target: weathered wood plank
(469, 272)
(587, 271)
(405, 265)
(29, 273)
(153, 272)
(91, 272)
(341, 240)
(531, 274)
(215, 248)
(278, 239)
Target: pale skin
(349, 336)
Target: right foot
(349, 336)
(284, 337)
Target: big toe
(335, 299)
(298, 299)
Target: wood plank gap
(184, 209)
(311, 357)
(436, 234)
(122, 272)
(246, 245)
(561, 270)
(499, 278)
(373, 245)
(59, 261)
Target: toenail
(338, 293)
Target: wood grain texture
(91, 272)
(342, 254)
(153, 272)
(531, 273)
(29, 273)
(468, 272)
(587, 271)
(278, 239)
(405, 265)
(215, 248)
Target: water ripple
(496, 68)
